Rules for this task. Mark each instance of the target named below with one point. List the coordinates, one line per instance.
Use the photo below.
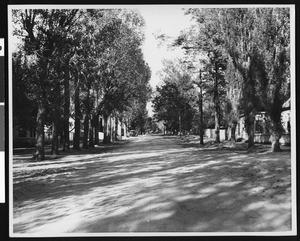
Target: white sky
(169, 20)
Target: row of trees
(176, 99)
(243, 58)
(78, 64)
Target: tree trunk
(104, 129)
(56, 118)
(55, 124)
(275, 142)
(217, 107)
(201, 132)
(76, 140)
(276, 133)
(85, 132)
(116, 128)
(184, 120)
(106, 135)
(96, 122)
(251, 136)
(91, 134)
(40, 134)
(217, 128)
(112, 128)
(249, 124)
(54, 150)
(66, 135)
(87, 115)
(179, 119)
(110, 132)
(232, 132)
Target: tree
(124, 81)
(139, 118)
(77, 110)
(151, 125)
(262, 57)
(233, 93)
(175, 99)
(78, 70)
(102, 29)
(24, 105)
(44, 33)
(244, 56)
(275, 54)
(203, 39)
(257, 41)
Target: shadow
(91, 150)
(155, 185)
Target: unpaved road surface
(153, 184)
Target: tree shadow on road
(160, 190)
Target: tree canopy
(244, 56)
(80, 64)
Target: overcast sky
(169, 20)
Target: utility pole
(199, 84)
(200, 108)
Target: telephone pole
(200, 108)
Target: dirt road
(153, 184)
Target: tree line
(78, 64)
(242, 60)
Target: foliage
(175, 100)
(24, 104)
(204, 42)
(257, 41)
(83, 63)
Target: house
(262, 134)
(116, 127)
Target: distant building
(262, 133)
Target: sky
(169, 20)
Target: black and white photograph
(151, 120)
